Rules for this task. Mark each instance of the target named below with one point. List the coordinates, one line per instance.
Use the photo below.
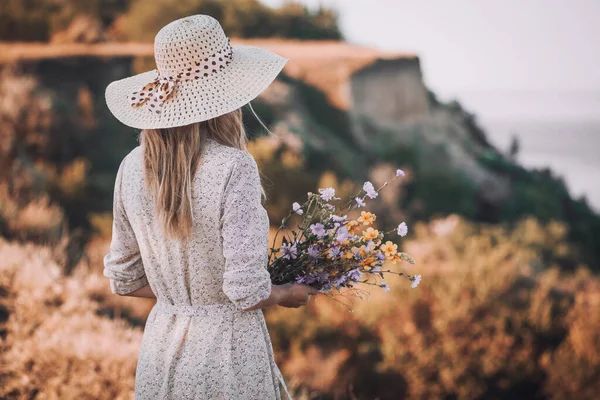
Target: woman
(189, 226)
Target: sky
(481, 50)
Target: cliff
(390, 102)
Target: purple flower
(330, 207)
(297, 209)
(325, 287)
(380, 256)
(327, 194)
(339, 280)
(314, 251)
(376, 269)
(370, 245)
(416, 280)
(354, 275)
(402, 229)
(357, 255)
(320, 280)
(338, 220)
(385, 287)
(289, 250)
(399, 172)
(335, 252)
(318, 230)
(370, 190)
(359, 202)
(342, 234)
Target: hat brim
(251, 71)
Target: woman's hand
(291, 295)
(296, 295)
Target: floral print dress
(198, 343)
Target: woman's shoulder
(131, 157)
(228, 155)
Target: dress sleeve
(123, 263)
(245, 233)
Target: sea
(555, 129)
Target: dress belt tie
(196, 310)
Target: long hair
(171, 158)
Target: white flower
(416, 280)
(360, 202)
(402, 229)
(337, 219)
(399, 172)
(297, 209)
(327, 194)
(370, 190)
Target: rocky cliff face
(390, 102)
(389, 92)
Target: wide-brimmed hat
(199, 75)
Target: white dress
(198, 342)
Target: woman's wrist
(280, 293)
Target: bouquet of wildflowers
(330, 252)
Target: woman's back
(197, 337)
(191, 271)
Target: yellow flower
(350, 254)
(389, 249)
(371, 234)
(352, 227)
(366, 218)
(369, 262)
(351, 224)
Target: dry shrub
(487, 322)
(70, 181)
(37, 219)
(55, 344)
(26, 118)
(574, 368)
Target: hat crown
(187, 42)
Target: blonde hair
(171, 157)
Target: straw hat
(199, 76)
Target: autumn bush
(57, 340)
(490, 320)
